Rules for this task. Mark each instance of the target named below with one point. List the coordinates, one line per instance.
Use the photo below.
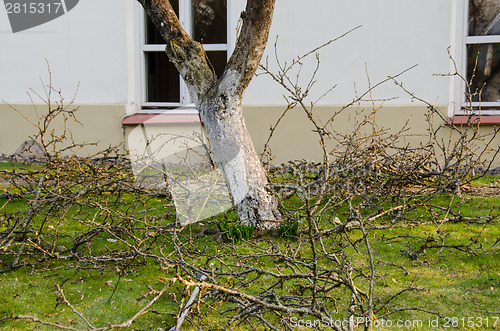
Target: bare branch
(251, 42)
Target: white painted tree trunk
(235, 155)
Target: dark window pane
(483, 62)
(210, 21)
(162, 78)
(152, 35)
(484, 17)
(218, 61)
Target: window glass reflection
(162, 79)
(210, 21)
(218, 61)
(484, 17)
(483, 67)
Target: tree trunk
(219, 102)
(235, 155)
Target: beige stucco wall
(293, 139)
(99, 123)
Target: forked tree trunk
(220, 103)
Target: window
(206, 22)
(482, 43)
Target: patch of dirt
(487, 191)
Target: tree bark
(235, 155)
(220, 103)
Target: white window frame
(460, 39)
(185, 105)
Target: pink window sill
(136, 119)
(481, 120)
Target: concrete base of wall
(100, 124)
(293, 139)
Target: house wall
(99, 124)
(295, 138)
(394, 35)
(90, 47)
(95, 49)
(86, 51)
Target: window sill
(136, 119)
(474, 119)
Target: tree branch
(251, 41)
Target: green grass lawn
(460, 280)
(18, 166)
